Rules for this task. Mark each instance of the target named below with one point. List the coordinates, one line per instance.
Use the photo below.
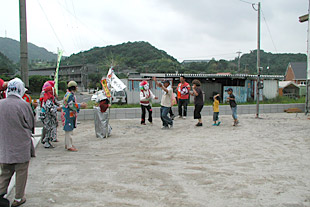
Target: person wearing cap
(183, 96)
(3, 86)
(165, 103)
(233, 105)
(69, 114)
(16, 147)
(146, 96)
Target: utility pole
(23, 42)
(258, 84)
(305, 18)
(238, 60)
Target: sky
(185, 29)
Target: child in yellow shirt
(216, 110)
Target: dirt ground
(262, 162)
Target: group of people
(17, 118)
(183, 92)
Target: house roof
(233, 76)
(300, 70)
(284, 84)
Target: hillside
(143, 57)
(277, 64)
(6, 66)
(139, 56)
(11, 49)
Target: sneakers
(143, 123)
(164, 127)
(184, 117)
(218, 124)
(214, 125)
(198, 124)
(236, 123)
(18, 203)
(180, 117)
(48, 145)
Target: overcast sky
(185, 29)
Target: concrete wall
(132, 113)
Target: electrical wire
(82, 23)
(247, 2)
(269, 32)
(51, 25)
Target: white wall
(271, 89)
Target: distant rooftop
(221, 75)
(300, 70)
(195, 61)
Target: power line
(269, 32)
(50, 25)
(247, 2)
(91, 30)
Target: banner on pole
(114, 81)
(57, 70)
(105, 87)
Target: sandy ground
(262, 162)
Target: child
(216, 110)
(233, 105)
(198, 100)
(145, 96)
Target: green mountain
(6, 66)
(11, 49)
(137, 56)
(277, 64)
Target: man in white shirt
(165, 103)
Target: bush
(36, 82)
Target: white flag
(117, 84)
(114, 81)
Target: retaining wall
(132, 113)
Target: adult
(183, 96)
(48, 83)
(3, 86)
(48, 116)
(165, 103)
(69, 114)
(198, 101)
(102, 127)
(16, 147)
